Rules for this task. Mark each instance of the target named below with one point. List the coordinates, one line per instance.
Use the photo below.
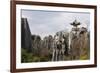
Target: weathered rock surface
(26, 40)
(79, 43)
(63, 43)
(60, 46)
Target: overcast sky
(46, 23)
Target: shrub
(25, 56)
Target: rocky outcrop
(79, 43)
(36, 43)
(60, 46)
(42, 47)
(26, 40)
(70, 45)
(48, 44)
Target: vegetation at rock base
(27, 57)
(62, 46)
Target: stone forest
(63, 46)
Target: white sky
(46, 23)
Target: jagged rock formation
(71, 45)
(56, 46)
(47, 44)
(26, 40)
(79, 43)
(36, 42)
(42, 47)
(60, 46)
